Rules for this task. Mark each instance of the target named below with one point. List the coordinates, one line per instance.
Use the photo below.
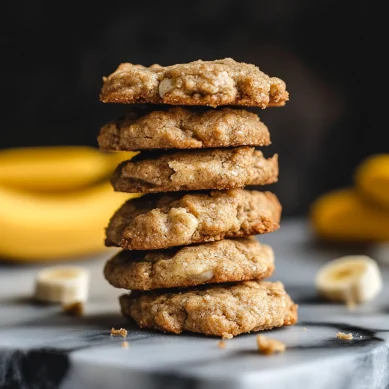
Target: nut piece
(269, 346)
(343, 336)
(120, 332)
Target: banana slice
(62, 284)
(349, 279)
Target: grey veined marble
(42, 348)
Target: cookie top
(213, 83)
(175, 219)
(223, 261)
(180, 128)
(195, 170)
(221, 310)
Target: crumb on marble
(75, 308)
(304, 328)
(226, 335)
(125, 344)
(343, 336)
(269, 346)
(222, 344)
(120, 332)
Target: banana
(47, 227)
(349, 279)
(372, 179)
(343, 215)
(62, 284)
(56, 169)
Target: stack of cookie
(188, 256)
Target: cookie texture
(181, 128)
(212, 83)
(195, 170)
(223, 261)
(162, 221)
(221, 310)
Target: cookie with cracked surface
(180, 128)
(212, 83)
(221, 310)
(150, 172)
(223, 261)
(175, 219)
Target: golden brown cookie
(180, 128)
(175, 219)
(213, 83)
(195, 170)
(223, 261)
(221, 310)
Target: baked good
(223, 261)
(182, 128)
(221, 310)
(213, 83)
(174, 219)
(150, 172)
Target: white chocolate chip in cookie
(165, 86)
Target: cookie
(223, 261)
(212, 83)
(221, 310)
(195, 170)
(161, 221)
(179, 128)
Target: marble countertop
(40, 347)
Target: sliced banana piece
(62, 284)
(349, 279)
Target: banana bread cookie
(223, 261)
(150, 172)
(213, 83)
(221, 310)
(181, 128)
(161, 221)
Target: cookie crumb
(269, 346)
(226, 335)
(222, 344)
(304, 328)
(74, 309)
(125, 344)
(343, 336)
(120, 332)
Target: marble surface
(40, 347)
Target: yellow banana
(372, 179)
(56, 169)
(343, 215)
(46, 227)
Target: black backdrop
(55, 56)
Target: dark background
(55, 56)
